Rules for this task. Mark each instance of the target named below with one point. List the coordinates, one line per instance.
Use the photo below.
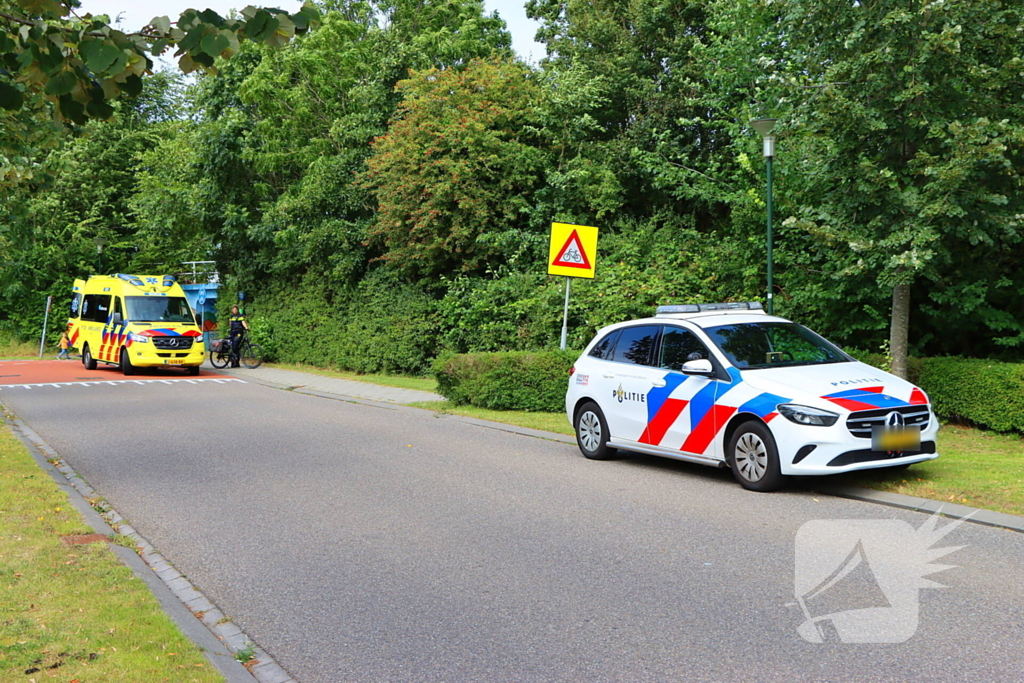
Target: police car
(729, 386)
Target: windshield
(159, 309)
(770, 345)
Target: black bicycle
(250, 354)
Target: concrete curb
(1000, 520)
(976, 515)
(197, 617)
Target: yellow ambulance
(134, 321)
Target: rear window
(636, 344)
(604, 348)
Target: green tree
(454, 174)
(909, 132)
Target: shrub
(520, 380)
(982, 392)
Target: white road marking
(217, 380)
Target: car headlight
(806, 415)
(138, 338)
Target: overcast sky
(137, 13)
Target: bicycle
(251, 355)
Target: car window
(603, 349)
(636, 344)
(772, 344)
(95, 307)
(679, 346)
(76, 305)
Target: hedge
(533, 381)
(985, 393)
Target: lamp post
(765, 128)
(100, 242)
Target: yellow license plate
(896, 440)
(174, 362)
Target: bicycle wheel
(218, 360)
(252, 355)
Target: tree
(55, 64)
(454, 174)
(910, 141)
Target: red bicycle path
(50, 371)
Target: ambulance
(134, 321)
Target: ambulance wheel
(192, 370)
(126, 364)
(87, 360)
(754, 458)
(592, 433)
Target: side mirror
(700, 368)
(115, 318)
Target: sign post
(46, 318)
(572, 253)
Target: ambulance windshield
(159, 309)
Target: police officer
(238, 328)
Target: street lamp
(100, 242)
(765, 128)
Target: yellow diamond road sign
(573, 250)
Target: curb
(197, 617)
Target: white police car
(728, 385)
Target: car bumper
(815, 451)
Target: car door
(632, 377)
(686, 417)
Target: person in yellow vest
(238, 328)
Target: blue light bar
(700, 308)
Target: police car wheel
(754, 458)
(126, 363)
(87, 360)
(592, 433)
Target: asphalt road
(364, 543)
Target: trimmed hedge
(533, 381)
(981, 392)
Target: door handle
(658, 383)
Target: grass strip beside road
(75, 611)
(399, 381)
(976, 468)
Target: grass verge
(975, 468)
(12, 348)
(399, 381)
(75, 612)
(550, 422)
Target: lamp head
(764, 126)
(100, 242)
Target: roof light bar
(700, 308)
(133, 280)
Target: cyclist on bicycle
(235, 333)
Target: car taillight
(572, 370)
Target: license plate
(895, 439)
(174, 362)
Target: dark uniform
(235, 333)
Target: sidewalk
(294, 379)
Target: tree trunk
(899, 332)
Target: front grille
(854, 457)
(173, 343)
(861, 423)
